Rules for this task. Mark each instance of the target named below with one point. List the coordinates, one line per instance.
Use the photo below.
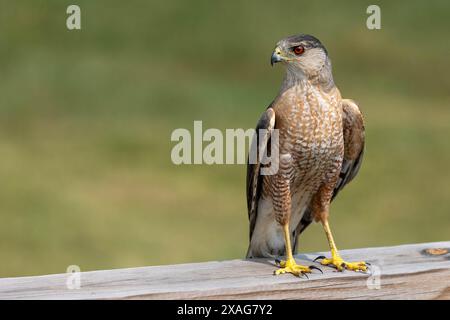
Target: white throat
(293, 77)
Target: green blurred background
(86, 117)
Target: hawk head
(303, 54)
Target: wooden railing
(416, 271)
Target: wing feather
(254, 179)
(354, 139)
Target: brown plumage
(321, 143)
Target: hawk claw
(290, 266)
(319, 257)
(316, 268)
(338, 263)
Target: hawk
(320, 150)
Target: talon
(304, 274)
(319, 257)
(341, 265)
(290, 266)
(277, 261)
(316, 268)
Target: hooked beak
(276, 56)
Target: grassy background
(86, 118)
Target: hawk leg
(290, 266)
(336, 259)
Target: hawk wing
(254, 179)
(353, 129)
(353, 126)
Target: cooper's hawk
(321, 143)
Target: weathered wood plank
(406, 272)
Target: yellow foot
(290, 266)
(340, 264)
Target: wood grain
(405, 272)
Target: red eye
(298, 50)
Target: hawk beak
(276, 56)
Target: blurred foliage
(86, 118)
